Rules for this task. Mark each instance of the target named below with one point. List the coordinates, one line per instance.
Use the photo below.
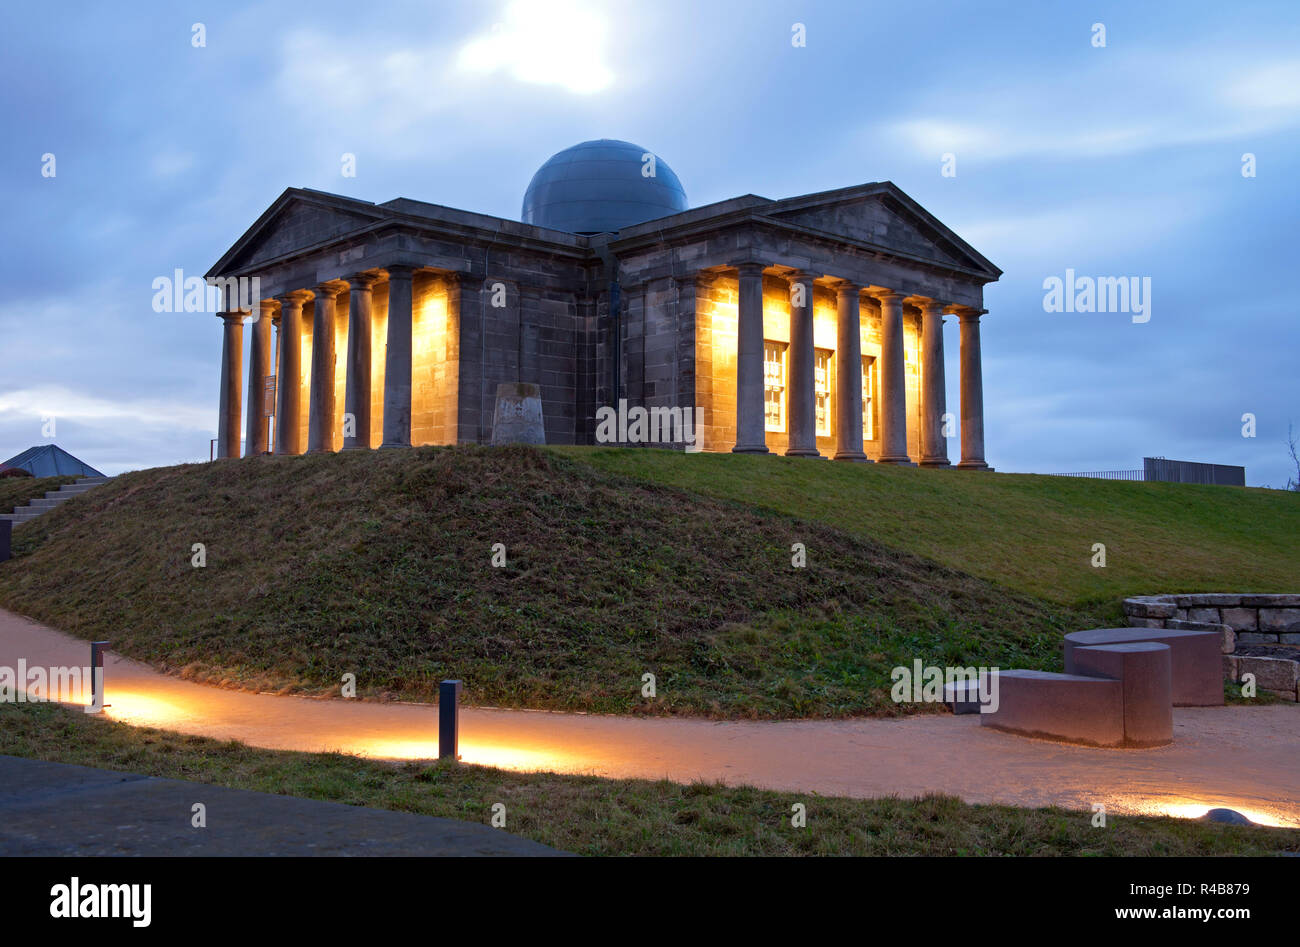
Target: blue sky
(1117, 161)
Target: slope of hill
(1031, 533)
(379, 564)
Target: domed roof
(599, 187)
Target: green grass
(593, 816)
(379, 564)
(16, 491)
(1033, 534)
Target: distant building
(811, 325)
(49, 460)
(1161, 470)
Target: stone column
(893, 385)
(848, 373)
(750, 436)
(288, 375)
(934, 446)
(232, 377)
(275, 397)
(259, 366)
(320, 413)
(803, 370)
(397, 360)
(356, 397)
(972, 393)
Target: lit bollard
(97, 649)
(449, 720)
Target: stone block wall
(1261, 632)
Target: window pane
(822, 384)
(868, 391)
(774, 386)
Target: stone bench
(1119, 697)
(1068, 707)
(1196, 660)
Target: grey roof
(599, 187)
(50, 460)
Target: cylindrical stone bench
(1196, 664)
(1144, 668)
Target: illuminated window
(868, 397)
(774, 386)
(823, 385)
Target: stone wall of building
(435, 361)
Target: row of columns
(750, 426)
(285, 314)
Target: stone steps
(52, 499)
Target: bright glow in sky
(550, 42)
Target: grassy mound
(1031, 533)
(380, 564)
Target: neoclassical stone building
(810, 326)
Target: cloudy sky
(1117, 160)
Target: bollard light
(6, 532)
(97, 649)
(449, 720)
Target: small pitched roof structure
(50, 460)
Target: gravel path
(1247, 758)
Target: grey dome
(598, 187)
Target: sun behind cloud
(549, 42)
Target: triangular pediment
(881, 215)
(299, 219)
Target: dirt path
(1247, 758)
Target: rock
(1203, 614)
(1148, 610)
(1226, 817)
(1146, 623)
(1278, 620)
(1274, 674)
(1241, 619)
(1200, 600)
(1271, 601)
(1230, 664)
(1253, 637)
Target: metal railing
(1106, 474)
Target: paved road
(56, 809)
(1244, 757)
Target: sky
(1045, 144)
